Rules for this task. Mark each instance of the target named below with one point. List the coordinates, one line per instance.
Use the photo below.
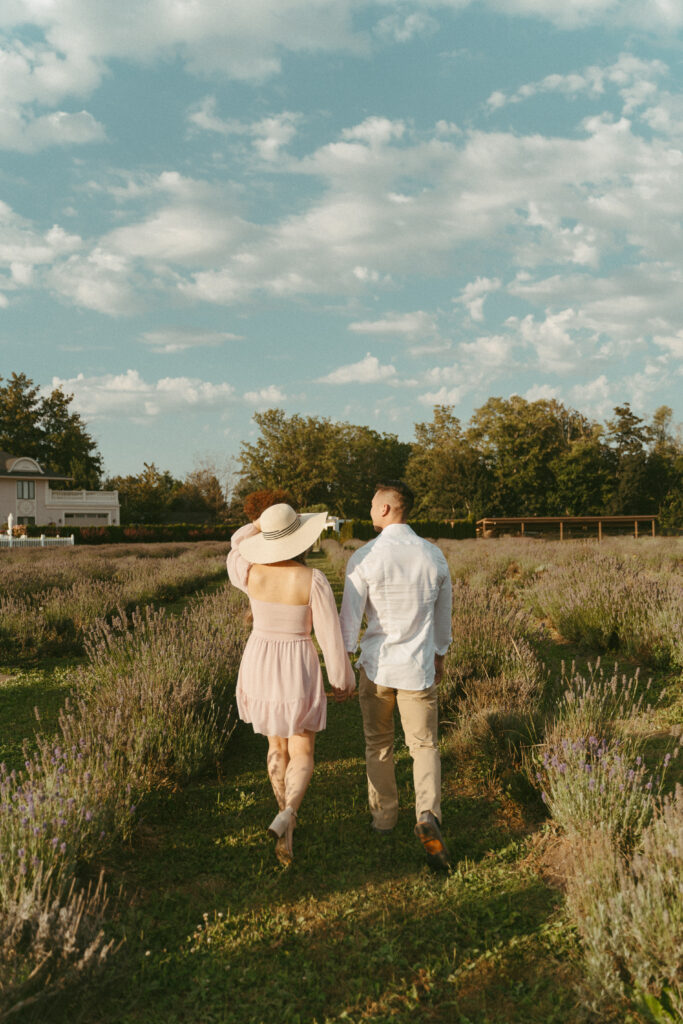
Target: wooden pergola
(491, 526)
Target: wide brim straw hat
(284, 534)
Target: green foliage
(459, 529)
(45, 429)
(319, 461)
(139, 533)
(449, 477)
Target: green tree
(146, 498)
(47, 430)
(584, 476)
(67, 447)
(448, 476)
(199, 499)
(520, 443)
(21, 431)
(320, 462)
(628, 436)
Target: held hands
(339, 696)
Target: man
(402, 584)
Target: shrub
(493, 683)
(362, 529)
(629, 915)
(609, 604)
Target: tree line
(513, 457)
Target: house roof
(8, 461)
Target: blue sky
(338, 208)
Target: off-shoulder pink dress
(280, 685)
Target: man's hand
(438, 667)
(339, 696)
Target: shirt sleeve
(238, 566)
(443, 612)
(328, 634)
(353, 604)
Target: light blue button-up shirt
(402, 584)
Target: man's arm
(443, 610)
(353, 605)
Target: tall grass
(152, 705)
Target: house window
(26, 520)
(70, 516)
(26, 489)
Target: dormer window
(26, 489)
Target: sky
(338, 208)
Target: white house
(25, 492)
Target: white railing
(82, 498)
(35, 542)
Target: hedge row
(136, 534)
(459, 529)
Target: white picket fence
(19, 543)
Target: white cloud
(28, 134)
(672, 344)
(269, 135)
(554, 340)
(541, 391)
(366, 371)
(101, 280)
(594, 397)
(399, 28)
(128, 394)
(376, 131)
(176, 340)
(412, 326)
(265, 396)
(474, 295)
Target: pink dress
(280, 685)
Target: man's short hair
(404, 497)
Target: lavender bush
(152, 705)
(493, 684)
(629, 914)
(609, 603)
(56, 618)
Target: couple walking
(401, 584)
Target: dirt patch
(551, 857)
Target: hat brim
(261, 551)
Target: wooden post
(635, 524)
(653, 526)
(561, 530)
(599, 530)
(522, 525)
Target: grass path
(357, 929)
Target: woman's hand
(339, 696)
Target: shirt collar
(395, 526)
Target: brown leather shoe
(428, 832)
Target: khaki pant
(419, 718)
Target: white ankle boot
(281, 822)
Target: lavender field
(561, 709)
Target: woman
(280, 687)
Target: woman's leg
(277, 761)
(300, 767)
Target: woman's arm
(329, 636)
(238, 566)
